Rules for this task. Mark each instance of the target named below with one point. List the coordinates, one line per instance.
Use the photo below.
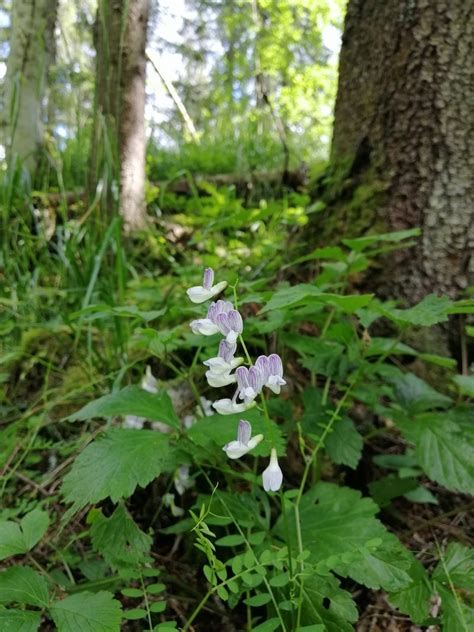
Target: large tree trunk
(31, 50)
(404, 129)
(120, 39)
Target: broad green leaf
(443, 449)
(87, 612)
(327, 604)
(19, 620)
(465, 384)
(361, 243)
(465, 306)
(113, 466)
(21, 584)
(430, 311)
(389, 346)
(416, 396)
(258, 600)
(215, 431)
(457, 615)
(20, 538)
(384, 490)
(415, 599)
(131, 400)
(326, 357)
(344, 444)
(421, 494)
(118, 539)
(290, 296)
(341, 531)
(458, 566)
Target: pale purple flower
(182, 481)
(208, 326)
(271, 368)
(221, 366)
(244, 443)
(207, 290)
(272, 476)
(230, 325)
(249, 383)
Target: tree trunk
(404, 131)
(32, 35)
(120, 39)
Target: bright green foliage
(444, 449)
(118, 539)
(19, 620)
(415, 599)
(454, 581)
(114, 465)
(344, 444)
(22, 585)
(87, 612)
(465, 384)
(132, 400)
(21, 538)
(337, 613)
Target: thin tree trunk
(32, 35)
(404, 129)
(120, 39)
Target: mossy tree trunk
(119, 141)
(31, 52)
(404, 129)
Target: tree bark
(31, 50)
(404, 131)
(120, 40)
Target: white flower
(149, 381)
(132, 421)
(204, 292)
(221, 366)
(208, 326)
(182, 481)
(206, 407)
(273, 476)
(168, 501)
(229, 406)
(271, 368)
(244, 443)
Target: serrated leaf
(361, 243)
(458, 566)
(21, 584)
(115, 464)
(20, 538)
(385, 489)
(119, 540)
(288, 296)
(415, 599)
(327, 604)
(131, 400)
(416, 396)
(341, 531)
(87, 612)
(19, 621)
(344, 444)
(430, 311)
(443, 449)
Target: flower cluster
(225, 369)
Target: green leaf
(115, 464)
(384, 490)
(416, 396)
(21, 538)
(87, 612)
(443, 448)
(290, 296)
(135, 593)
(327, 604)
(270, 625)
(155, 589)
(455, 570)
(131, 400)
(258, 600)
(118, 539)
(158, 606)
(344, 444)
(361, 243)
(415, 599)
(21, 584)
(19, 621)
(465, 384)
(458, 565)
(430, 311)
(340, 530)
(231, 540)
(93, 312)
(457, 615)
(134, 613)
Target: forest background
(319, 158)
